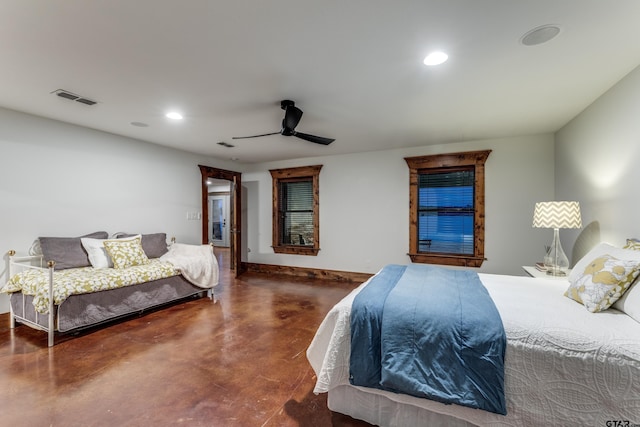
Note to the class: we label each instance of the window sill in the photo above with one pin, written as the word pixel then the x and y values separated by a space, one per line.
pixel 296 250
pixel 444 259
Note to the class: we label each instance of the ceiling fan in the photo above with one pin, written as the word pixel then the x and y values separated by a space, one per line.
pixel 292 116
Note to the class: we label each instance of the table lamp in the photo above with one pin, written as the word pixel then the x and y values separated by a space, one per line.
pixel 557 215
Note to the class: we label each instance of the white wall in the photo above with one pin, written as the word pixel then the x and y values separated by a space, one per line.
pixel 364 206
pixel 58 179
pixel 597 156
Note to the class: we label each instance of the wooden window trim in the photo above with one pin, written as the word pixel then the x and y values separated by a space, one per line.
pixel 279 175
pixel 476 159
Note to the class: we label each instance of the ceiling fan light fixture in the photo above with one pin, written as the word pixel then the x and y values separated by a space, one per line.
pixel 435 58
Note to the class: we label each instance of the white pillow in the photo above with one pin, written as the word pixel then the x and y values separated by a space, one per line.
pixel 98 256
pixel 630 301
pixel 97 253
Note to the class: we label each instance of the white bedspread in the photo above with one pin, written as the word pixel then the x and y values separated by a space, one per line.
pixel 563 366
pixel 196 263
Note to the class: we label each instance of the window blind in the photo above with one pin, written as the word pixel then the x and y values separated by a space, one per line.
pixel 296 212
pixel 446 211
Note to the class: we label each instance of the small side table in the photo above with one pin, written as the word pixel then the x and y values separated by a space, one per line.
pixel 534 272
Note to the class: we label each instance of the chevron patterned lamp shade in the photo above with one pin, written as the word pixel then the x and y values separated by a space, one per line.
pixel 557 215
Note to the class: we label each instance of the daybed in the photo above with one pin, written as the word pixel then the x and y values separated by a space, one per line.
pixel 94 279
pixel 568 361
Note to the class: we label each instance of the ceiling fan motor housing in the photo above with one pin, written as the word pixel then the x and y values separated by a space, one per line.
pixel 285 130
pixel 286 103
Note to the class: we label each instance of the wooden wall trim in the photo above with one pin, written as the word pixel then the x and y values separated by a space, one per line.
pixel 307 273
pixel 421 164
pixel 306 173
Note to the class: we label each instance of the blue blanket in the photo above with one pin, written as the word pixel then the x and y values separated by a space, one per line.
pixel 429 332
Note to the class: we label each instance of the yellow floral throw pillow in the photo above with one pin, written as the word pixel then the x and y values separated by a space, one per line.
pixel 603 281
pixel 126 253
pixel 632 244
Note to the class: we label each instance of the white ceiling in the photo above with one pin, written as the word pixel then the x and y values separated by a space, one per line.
pixel 353 66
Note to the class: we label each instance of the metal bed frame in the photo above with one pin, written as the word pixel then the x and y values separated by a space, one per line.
pixel 27 262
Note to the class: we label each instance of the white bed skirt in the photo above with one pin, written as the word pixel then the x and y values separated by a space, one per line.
pixel 375 407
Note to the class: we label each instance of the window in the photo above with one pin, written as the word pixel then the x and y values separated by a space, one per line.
pixel 295 210
pixel 446 208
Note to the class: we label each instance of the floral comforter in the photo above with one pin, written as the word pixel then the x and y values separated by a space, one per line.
pixel 84 280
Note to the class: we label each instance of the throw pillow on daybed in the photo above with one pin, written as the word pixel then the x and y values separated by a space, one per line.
pixel 67 252
pixel 126 253
pixel 98 256
pixel 602 276
pixel 154 245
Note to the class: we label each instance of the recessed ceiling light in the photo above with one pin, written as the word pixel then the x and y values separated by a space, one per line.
pixel 540 35
pixel 173 115
pixel 435 58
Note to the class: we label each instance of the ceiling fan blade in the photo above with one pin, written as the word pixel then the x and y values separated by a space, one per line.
pixel 255 136
pixel 313 138
pixel 292 117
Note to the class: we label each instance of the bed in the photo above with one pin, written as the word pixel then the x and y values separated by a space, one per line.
pixel 95 279
pixel 563 364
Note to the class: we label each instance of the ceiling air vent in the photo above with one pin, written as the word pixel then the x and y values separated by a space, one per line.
pixel 73 97
pixel 86 101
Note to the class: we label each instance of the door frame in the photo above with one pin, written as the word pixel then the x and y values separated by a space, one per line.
pixel 235 239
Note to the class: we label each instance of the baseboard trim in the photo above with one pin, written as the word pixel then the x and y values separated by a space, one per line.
pixel 5 319
pixel 307 273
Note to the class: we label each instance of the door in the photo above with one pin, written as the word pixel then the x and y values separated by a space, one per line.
pixel 234 223
pixel 219 220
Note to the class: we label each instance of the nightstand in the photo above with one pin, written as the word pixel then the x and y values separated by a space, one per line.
pixel 534 272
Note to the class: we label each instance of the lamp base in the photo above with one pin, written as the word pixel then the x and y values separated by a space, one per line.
pixel 556 272
pixel 555 260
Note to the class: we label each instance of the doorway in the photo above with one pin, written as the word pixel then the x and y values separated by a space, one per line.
pixel 233 223
pixel 219 219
